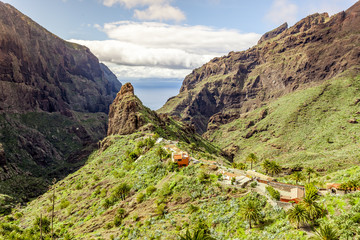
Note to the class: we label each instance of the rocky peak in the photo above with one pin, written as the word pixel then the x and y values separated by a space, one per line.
pixel 308 23
pixel 315 49
pixel 125 112
pixel 273 33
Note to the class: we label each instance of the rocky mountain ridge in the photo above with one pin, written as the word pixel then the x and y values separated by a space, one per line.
pixel 54 100
pixel 315 49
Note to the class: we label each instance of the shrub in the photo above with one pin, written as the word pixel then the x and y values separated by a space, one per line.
pixel 79 186
pixel 44 222
pixel 121 191
pixel 150 190
pixel 253 184
pixel 108 226
pixel 121 212
pixel 107 203
pixel 117 221
pixel 140 197
pixel 64 203
pixel 192 208
pixel 160 209
pixel 275 194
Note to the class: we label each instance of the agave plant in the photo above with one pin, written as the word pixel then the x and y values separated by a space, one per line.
pixel 326 233
pixel 199 234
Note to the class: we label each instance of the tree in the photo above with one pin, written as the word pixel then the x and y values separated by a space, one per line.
pixel 252 158
pixel 309 171
pixel 313 209
pixel 326 233
pixel 199 234
pixel 266 165
pixel 122 191
pixel 160 152
pixel 274 168
pixel 250 212
pixel 297 176
pixel 297 215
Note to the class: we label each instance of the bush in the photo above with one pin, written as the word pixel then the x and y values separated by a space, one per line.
pixel 108 226
pixel 45 224
pixel 140 197
pixel 107 203
pixel 121 213
pixel 117 221
pixel 150 190
pixel 160 209
pixel 192 208
pixel 275 194
pixel 253 184
pixel 64 203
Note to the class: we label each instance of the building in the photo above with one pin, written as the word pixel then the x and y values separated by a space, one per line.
pixel 181 158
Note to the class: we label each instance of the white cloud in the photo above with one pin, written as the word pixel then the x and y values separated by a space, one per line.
pixel 133 3
pixel 144 72
pixel 161 50
pixel 160 12
pixel 156 9
pixel 282 11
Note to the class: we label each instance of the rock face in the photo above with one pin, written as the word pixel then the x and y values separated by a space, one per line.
pixel 54 100
pixel 39 71
pixel 273 33
pixel 124 115
pixel 315 49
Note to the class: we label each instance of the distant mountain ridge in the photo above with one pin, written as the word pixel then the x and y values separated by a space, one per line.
pixel 315 49
pixel 54 100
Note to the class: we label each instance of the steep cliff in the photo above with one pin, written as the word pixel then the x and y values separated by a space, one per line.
pixel 315 49
pixel 54 100
pixel 127 114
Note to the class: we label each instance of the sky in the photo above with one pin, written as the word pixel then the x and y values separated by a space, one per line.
pixel 155 44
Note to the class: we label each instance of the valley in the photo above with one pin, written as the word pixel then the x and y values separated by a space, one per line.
pixel 258 144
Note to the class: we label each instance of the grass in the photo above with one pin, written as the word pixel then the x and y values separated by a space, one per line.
pixel 308 127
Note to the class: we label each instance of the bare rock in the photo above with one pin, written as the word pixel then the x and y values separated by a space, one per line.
pixel 353 121
pixel 273 33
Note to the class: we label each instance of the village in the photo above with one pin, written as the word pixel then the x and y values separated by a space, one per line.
pixel 289 193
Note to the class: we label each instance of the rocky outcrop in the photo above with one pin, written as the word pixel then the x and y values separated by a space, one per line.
pixel 124 115
pixel 273 33
pixel 315 49
pixel 128 115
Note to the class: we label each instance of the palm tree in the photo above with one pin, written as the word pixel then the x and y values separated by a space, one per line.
pixel 297 176
pixel 309 171
pixel 266 165
pixel 313 209
pixel 297 215
pixel 252 158
pixel 251 212
pixel 274 168
pixel 199 234
pixel 326 233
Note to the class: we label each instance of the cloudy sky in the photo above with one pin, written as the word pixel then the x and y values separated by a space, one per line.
pixel 155 43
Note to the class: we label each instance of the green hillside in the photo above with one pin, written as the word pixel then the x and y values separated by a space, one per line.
pixel 315 127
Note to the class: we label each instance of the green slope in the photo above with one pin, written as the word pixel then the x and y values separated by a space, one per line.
pixel 309 127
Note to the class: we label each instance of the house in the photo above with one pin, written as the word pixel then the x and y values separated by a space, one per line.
pixel 228 176
pixel 181 158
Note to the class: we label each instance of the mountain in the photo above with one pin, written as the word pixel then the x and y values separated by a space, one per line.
pixel 285 60
pixel 54 100
pixel 127 190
